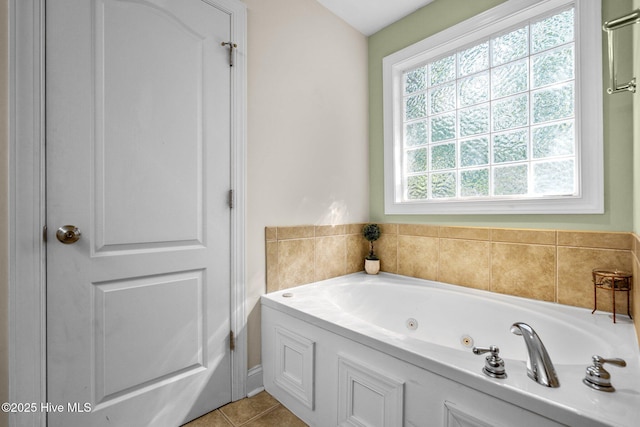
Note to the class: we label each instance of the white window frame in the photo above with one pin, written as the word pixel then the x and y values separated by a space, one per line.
pixel 588 110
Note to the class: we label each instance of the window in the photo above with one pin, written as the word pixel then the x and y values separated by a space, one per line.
pixel 498 114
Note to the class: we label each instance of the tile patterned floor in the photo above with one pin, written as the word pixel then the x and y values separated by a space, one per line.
pixel 261 410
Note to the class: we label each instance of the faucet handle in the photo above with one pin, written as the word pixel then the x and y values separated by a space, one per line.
pixel 481 350
pixel 597 360
pixel 599 378
pixel 493 365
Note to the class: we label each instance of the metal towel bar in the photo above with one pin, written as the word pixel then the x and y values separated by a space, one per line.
pixel 610 27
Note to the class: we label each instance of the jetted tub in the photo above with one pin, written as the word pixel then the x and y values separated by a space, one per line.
pixel 389 350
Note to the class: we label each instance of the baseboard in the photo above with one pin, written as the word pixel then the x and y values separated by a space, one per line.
pixel 254 381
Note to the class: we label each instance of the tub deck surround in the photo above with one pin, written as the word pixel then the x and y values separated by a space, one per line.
pixel 372 312
pixel 547 265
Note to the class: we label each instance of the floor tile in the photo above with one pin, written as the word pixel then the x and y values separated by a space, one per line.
pixel 212 419
pixel 280 417
pixel 243 410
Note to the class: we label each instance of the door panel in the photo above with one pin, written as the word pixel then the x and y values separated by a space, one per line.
pixel 172 100
pixel 177 339
pixel 138 158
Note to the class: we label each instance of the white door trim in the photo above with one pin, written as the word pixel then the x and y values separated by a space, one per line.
pixel 27 255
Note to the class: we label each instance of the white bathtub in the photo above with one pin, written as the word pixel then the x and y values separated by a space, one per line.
pixel 407 343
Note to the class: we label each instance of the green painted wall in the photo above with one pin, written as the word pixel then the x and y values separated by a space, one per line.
pixel 618 126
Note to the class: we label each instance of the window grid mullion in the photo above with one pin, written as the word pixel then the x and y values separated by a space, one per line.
pixel 457 131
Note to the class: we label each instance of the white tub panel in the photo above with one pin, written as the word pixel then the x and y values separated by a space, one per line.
pixel 434 374
pixel 294 365
pixel 367 396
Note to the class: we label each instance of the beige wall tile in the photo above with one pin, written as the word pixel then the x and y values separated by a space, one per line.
pixel 464 262
pixel 524 270
pixel 296 262
pixel 513 261
pixel 418 257
pixel 418 230
pixel 540 237
pixel 467 233
pixel 575 284
pixel 331 257
pixel 589 239
pixel 329 230
pixel 272 267
pixel 389 228
pixel 301 232
pixel 386 248
pixel 270 233
pixel 357 250
pixel 354 228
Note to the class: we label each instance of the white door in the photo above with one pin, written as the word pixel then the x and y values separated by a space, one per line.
pixel 138 159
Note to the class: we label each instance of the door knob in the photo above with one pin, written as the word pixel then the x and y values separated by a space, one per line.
pixel 68 234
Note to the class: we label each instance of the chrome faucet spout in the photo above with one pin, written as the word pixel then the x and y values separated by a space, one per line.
pixel 539 366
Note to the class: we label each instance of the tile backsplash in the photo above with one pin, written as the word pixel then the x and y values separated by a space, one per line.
pixel 548 265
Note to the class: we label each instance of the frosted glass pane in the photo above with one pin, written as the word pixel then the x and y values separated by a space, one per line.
pixel 416 160
pixel 474 59
pixel 475 120
pixel 415 107
pixel 510 79
pixel 553 31
pixel 443 156
pixel 510 180
pixel 474 152
pixel 417 187
pixel 415 133
pixel 553 103
pixel 510 113
pixel 473 89
pixel 442 98
pixel 443 127
pixel 442 70
pixel 510 147
pixel 443 185
pixel 553 67
pixel 510 46
pixel 415 80
pixel 554 140
pixel 553 178
pixel 474 183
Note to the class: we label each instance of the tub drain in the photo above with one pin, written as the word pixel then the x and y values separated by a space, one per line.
pixel 412 324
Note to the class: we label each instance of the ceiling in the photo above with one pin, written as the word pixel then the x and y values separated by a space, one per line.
pixel 370 16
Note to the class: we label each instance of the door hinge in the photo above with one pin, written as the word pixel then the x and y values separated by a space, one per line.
pixel 232 341
pixel 44 233
pixel 230 200
pixel 231 47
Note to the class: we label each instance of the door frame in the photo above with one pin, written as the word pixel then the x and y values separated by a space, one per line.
pixel 27 208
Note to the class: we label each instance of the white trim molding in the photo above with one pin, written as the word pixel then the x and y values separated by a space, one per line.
pixel 255 383
pixel 27 254
pixel 238 13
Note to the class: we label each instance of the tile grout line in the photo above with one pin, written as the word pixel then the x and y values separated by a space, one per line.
pixel 224 417
pixel 260 415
